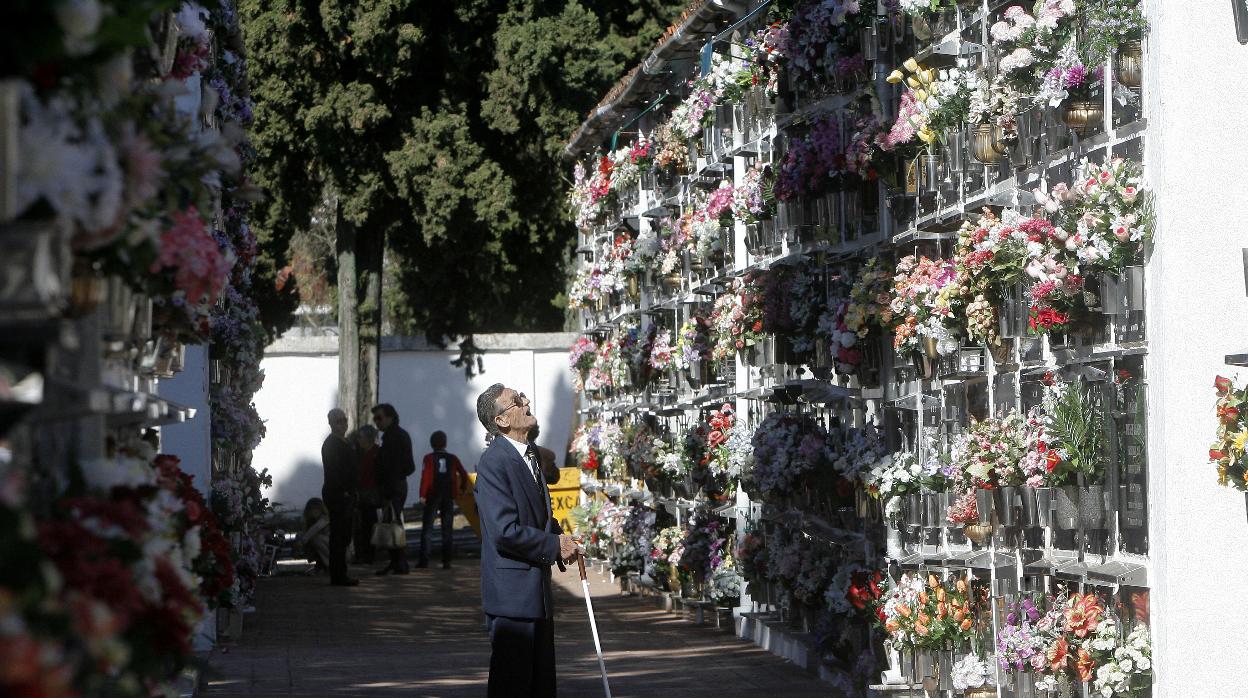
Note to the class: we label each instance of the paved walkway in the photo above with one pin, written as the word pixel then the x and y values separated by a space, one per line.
pixel 423 635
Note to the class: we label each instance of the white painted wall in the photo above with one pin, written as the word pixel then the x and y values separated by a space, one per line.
pixel 191 440
pixel 301 385
pixel 1197 160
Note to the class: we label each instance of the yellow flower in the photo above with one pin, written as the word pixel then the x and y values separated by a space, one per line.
pixel 926 135
pixel 1238 441
pixel 895 77
pixel 914 84
pixel 911 65
pixel 920 95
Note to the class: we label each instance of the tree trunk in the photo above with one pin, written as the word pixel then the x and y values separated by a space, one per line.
pixel 359 319
pixel 348 322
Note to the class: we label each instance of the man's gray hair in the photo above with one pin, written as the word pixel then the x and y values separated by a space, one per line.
pixel 336 412
pixel 487 408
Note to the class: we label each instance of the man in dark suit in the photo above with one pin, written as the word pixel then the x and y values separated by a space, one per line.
pixel 338 492
pixel 394 463
pixel 520 540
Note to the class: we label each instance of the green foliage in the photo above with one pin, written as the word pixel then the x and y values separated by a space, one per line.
pixel 439 126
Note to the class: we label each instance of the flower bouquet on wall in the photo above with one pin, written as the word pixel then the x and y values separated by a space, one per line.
pixel 737 320
pixel 789 449
pixel 794 299
pixel 924 307
pixel 1228 451
pixel 692 355
pixel 1074 429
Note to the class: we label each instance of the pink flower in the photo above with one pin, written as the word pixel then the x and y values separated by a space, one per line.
pixel 1129 194
pixel 1122 233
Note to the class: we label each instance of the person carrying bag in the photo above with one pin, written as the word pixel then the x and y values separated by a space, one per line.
pixel 388 533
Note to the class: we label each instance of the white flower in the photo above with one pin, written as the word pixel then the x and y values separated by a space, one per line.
pixel 104 474
pixel 80 20
pixel 190 20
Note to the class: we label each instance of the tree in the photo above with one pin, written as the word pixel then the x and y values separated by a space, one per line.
pixel 439 125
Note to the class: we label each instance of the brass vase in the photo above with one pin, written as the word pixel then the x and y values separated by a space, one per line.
pixel 987 145
pixel 1130 63
pixel 87 290
pixel 930 348
pixel 1084 116
pixel 977 533
pixel 672 281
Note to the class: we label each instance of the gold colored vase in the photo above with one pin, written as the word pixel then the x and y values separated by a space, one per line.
pixel 1130 62
pixel 987 145
pixel 1084 116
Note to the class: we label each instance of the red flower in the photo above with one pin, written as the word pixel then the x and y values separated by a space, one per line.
pixel 1223 385
pixel 1215 454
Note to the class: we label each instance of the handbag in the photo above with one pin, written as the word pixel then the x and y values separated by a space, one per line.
pixel 388 533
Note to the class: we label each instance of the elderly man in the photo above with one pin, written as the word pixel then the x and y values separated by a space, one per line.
pixel 338 492
pixel 520 541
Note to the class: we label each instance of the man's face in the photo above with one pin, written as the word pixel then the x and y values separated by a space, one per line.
pixel 381 420
pixel 514 412
pixel 338 424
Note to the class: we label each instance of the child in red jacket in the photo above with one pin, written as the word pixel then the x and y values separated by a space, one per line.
pixel 442 479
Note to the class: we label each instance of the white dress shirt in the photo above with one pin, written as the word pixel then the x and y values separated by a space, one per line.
pixel 523 450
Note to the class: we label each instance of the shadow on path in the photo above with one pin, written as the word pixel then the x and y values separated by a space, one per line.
pixel 423 635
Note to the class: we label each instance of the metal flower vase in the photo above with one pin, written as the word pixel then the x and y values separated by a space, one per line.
pixel 1004 501
pixel 1130 63
pixel 912 509
pixel 1066 507
pixel 1084 117
pixel 1092 506
pixel 1030 507
pixel 984 505
pixel 988 145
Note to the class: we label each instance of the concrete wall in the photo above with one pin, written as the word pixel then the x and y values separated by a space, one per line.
pixel 191 440
pixel 1197 160
pixel 301 385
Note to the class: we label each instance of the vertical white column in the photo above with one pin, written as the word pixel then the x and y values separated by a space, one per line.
pixel 1196 151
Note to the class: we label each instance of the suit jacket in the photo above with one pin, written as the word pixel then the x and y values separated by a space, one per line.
pixel 519 536
pixel 394 462
pixel 338 458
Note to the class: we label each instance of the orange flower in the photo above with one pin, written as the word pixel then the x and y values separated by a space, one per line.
pixel 924 619
pixel 1057 655
pixel 932 582
pixel 1083 615
pixel 1085 665
pixel 959 615
pixel 892 626
pixel 920 629
pixel 942 609
pixel 923 598
pixel 966 624
pixel 961 585
pixel 903 610
pixel 941 594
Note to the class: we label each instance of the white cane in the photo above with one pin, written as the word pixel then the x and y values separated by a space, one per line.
pixel 593 625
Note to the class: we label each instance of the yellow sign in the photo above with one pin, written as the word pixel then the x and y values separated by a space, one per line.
pixel 564 496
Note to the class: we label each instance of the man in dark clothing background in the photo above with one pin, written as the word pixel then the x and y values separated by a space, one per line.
pixel 394 464
pixel 442 479
pixel 338 492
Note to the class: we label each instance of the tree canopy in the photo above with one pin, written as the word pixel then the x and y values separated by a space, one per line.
pixel 440 126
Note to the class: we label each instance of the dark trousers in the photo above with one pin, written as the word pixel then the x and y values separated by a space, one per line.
pixel 398 499
pixel 432 506
pixel 365 518
pixel 339 538
pixel 522 659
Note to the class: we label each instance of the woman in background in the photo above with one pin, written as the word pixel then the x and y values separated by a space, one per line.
pixel 365 441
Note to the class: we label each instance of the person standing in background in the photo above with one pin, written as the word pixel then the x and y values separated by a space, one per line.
pixel 338 493
pixel 442 479
pixel 394 464
pixel 365 441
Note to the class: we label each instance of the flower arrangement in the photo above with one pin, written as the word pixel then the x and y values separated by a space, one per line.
pixel 859 451
pixel 972 672
pixel 736 319
pixel 1126 668
pixel 692 343
pixel 794 299
pixel 581 356
pixel 721 422
pixel 1074 424
pixel 672 151
pixel 1109 23
pixel 1106 215
pixel 817 37
pixel 1070 79
pixel 1032 42
pixel 988 454
pixel 925 296
pixel 753 200
pixel 870 300
pixel 1228 450
pixel 895 609
pixel 899 474
pixel 938 100
pixel 661 351
pixel 823 161
pixel 787 447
